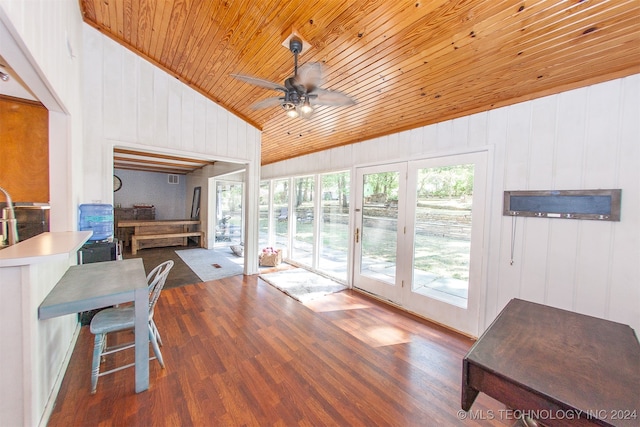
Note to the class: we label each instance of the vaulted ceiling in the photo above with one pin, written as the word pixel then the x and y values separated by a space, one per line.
pixel 406 63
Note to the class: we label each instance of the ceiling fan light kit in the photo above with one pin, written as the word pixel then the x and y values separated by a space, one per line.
pixel 290 110
pixel 301 91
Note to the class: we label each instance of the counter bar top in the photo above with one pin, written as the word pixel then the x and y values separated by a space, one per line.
pixel 41 247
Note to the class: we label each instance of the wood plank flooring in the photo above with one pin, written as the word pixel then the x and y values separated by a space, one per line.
pixel 238 352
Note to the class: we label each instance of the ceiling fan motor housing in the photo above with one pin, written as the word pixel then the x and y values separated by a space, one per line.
pixel 291 100
pixel 295 45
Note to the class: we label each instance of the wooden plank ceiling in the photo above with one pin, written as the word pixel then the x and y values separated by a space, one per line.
pixel 406 63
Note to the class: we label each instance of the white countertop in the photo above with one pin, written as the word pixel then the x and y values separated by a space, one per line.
pixel 43 246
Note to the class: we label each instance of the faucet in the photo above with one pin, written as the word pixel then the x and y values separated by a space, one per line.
pixel 9 224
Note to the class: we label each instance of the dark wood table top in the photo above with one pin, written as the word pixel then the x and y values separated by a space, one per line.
pixel 572 360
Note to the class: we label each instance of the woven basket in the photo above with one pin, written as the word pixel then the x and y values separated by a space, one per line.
pixel 271 259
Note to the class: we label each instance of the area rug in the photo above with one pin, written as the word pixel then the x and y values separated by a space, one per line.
pixel 302 284
pixel 210 264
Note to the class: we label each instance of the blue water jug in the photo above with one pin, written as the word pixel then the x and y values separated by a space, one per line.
pixel 98 218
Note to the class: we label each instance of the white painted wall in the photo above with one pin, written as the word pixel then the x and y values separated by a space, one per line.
pixel 131 103
pixel 587 138
pixel 153 188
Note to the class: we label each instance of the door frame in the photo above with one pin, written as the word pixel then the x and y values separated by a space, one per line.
pixel 480 227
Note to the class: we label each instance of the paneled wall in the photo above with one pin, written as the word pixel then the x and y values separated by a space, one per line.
pixel 587 138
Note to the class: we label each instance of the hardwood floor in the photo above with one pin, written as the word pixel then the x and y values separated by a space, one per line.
pixel 238 352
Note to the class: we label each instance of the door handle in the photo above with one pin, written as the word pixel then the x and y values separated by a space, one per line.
pixel 357 235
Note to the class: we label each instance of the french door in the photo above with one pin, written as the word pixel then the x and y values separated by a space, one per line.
pixel 419 236
pixel 380 247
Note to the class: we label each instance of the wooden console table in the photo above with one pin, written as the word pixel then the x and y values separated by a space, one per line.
pixel 564 367
pixel 159 233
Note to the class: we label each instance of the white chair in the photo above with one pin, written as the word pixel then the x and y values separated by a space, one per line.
pixel 122 318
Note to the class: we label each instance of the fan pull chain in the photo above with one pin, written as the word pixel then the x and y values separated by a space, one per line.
pixel 513 237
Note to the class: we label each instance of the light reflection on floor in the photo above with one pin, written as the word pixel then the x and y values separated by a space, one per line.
pixel 370 330
pixel 334 302
pixel 375 335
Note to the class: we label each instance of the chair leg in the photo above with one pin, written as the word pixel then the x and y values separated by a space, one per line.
pixel 154 343
pixel 156 332
pixel 98 344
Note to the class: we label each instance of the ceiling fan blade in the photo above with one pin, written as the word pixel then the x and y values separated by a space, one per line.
pixel 266 103
pixel 331 97
pixel 259 82
pixel 310 76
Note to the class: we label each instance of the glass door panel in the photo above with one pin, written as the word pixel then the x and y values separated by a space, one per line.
pixel 263 214
pixel 281 214
pixel 229 196
pixel 442 233
pixel 379 221
pixel 303 226
pixel 334 225
pixel 447 198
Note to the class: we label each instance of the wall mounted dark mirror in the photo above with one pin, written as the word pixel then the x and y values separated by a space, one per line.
pixel 195 205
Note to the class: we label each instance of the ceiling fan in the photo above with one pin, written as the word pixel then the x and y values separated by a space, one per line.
pixel 301 91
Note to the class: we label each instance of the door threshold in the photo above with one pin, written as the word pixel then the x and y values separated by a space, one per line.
pixel 411 313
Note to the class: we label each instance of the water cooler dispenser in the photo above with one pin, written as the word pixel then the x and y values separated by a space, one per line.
pixel 101 246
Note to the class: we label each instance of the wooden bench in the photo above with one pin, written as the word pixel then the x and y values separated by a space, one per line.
pixel 159 233
pixel 135 239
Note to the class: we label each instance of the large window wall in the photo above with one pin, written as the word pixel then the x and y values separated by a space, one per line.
pixel 309 220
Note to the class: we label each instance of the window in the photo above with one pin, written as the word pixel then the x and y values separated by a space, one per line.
pixel 280 207
pixel 263 213
pixel 333 238
pixel 303 235
pixel 318 206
